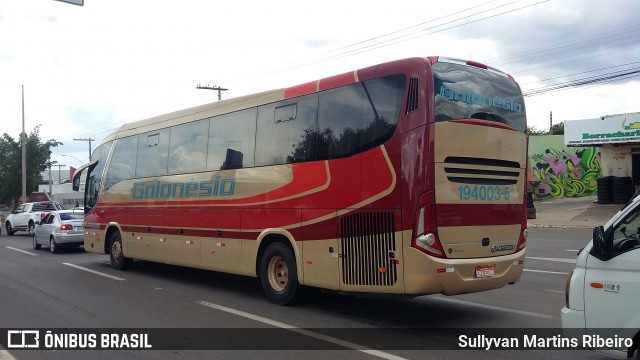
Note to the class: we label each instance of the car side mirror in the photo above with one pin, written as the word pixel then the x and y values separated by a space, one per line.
pixel 602 246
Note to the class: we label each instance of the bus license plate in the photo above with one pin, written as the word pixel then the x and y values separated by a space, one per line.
pixel 485 271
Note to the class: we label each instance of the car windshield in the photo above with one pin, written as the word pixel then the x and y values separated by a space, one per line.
pixel 71 216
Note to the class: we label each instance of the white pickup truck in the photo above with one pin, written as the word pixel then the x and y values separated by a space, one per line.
pixel 603 292
pixel 27 215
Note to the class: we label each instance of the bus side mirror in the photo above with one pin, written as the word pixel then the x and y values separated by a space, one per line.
pixel 76 183
pixel 602 246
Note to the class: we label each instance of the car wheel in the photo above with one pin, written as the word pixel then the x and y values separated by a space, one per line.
pixel 118 260
pixel 53 246
pixel 10 231
pixel 279 275
pixel 32 228
pixel 35 243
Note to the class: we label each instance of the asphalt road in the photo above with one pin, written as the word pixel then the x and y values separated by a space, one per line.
pixel 79 290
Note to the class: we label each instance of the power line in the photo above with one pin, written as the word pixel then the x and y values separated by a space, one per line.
pixel 625 74
pixel 89 140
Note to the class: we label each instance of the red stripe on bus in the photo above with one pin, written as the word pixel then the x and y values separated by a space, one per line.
pixel 337 81
pixel 300 90
pixel 478 214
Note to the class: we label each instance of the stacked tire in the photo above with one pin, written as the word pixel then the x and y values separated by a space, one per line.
pixel 605 190
pixel 531 210
pixel 622 189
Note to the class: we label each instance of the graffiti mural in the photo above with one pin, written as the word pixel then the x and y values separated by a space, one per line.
pixel 560 171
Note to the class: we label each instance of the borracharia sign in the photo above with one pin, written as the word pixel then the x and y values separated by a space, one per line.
pixel 610 129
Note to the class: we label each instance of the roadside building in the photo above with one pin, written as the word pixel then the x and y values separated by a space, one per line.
pixel 618 137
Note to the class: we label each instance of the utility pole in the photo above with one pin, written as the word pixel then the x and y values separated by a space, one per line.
pixel 215 87
pixel 550 122
pixel 50 164
pixel 89 140
pixel 23 138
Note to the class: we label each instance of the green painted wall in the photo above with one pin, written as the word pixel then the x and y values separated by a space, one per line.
pixel 556 170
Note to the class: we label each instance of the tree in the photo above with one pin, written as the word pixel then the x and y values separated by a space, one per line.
pixel 37 153
pixel 558 129
pixel 533 131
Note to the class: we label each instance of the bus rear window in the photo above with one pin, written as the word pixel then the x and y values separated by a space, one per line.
pixel 463 92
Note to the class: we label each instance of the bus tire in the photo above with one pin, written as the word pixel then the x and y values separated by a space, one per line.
pixel 279 275
pixel 118 260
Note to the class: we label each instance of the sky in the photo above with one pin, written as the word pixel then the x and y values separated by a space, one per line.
pixel 86 70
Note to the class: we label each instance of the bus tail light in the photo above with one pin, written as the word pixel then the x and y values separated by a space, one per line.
pixel 425 231
pixel 477 64
pixel 522 241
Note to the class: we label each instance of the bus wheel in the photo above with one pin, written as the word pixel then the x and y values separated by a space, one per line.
pixel 118 260
pixel 279 275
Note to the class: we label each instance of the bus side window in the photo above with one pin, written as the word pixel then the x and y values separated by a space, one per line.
pixel 123 161
pixel 153 153
pixel 231 142
pixel 358 117
pixel 188 147
pixel 286 131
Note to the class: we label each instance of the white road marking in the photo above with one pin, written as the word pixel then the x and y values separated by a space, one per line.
pixel 4 355
pixel 555 291
pixel 563 260
pixel 490 307
pixel 94 272
pixel 339 342
pixel 22 251
pixel 547 272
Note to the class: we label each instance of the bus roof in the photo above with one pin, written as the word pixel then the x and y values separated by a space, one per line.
pixel 196 113
pixel 247 101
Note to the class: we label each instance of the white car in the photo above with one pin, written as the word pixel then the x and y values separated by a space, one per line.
pixel 60 228
pixel 603 292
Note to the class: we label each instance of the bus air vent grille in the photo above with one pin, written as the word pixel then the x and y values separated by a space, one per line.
pixel 368 249
pixel 481 171
pixel 412 96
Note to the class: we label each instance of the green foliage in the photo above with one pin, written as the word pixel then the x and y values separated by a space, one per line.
pixel 37 155
pixel 558 129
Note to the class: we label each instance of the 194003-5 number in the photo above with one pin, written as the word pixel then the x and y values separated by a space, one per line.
pixel 481 192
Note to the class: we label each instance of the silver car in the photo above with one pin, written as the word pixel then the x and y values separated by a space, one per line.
pixel 60 228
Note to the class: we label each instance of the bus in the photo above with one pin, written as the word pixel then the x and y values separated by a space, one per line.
pixel 406 177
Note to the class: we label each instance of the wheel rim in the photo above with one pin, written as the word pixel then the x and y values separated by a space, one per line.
pixel 52 245
pixel 116 251
pixel 278 273
pixel 35 243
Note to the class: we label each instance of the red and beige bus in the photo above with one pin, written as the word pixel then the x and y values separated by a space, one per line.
pixel 406 177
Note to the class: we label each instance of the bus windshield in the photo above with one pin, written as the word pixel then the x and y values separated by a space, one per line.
pixel 463 92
